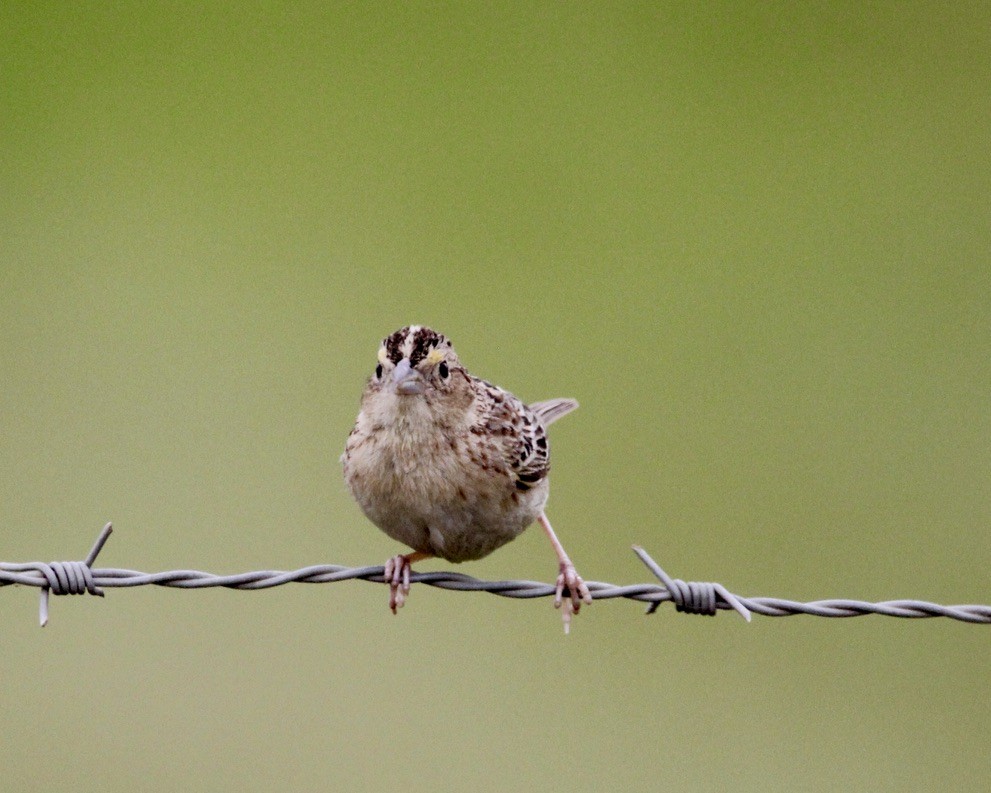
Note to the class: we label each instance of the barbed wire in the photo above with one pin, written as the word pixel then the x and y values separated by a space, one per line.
pixel 706 598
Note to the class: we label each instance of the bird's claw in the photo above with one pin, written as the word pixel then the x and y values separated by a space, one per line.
pixel 396 575
pixel 577 593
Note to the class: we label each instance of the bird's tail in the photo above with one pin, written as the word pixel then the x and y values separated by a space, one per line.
pixel 551 410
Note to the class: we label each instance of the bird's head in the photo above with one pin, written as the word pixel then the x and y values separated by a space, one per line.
pixel 417 363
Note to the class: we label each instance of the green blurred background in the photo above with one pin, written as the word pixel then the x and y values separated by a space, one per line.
pixel 753 239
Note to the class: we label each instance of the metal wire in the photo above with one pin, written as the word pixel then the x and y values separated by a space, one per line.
pixel 76 578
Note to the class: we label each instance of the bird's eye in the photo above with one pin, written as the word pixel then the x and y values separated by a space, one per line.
pixel 444 371
pixel 378 372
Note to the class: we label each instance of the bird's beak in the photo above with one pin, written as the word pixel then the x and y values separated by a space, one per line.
pixel 406 380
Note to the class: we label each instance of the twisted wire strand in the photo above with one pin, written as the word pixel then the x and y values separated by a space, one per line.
pixel 707 598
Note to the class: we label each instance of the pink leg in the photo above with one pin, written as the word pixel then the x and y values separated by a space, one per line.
pixel 397 571
pixel 577 591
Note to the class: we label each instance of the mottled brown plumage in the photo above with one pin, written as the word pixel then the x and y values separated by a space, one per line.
pixel 448 464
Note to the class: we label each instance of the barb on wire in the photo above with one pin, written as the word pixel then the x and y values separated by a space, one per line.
pixel 62 578
pixel 76 578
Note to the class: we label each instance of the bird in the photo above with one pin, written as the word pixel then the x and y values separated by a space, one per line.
pixel 449 464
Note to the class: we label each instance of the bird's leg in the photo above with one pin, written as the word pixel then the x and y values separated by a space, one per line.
pixel 568 578
pixel 397 571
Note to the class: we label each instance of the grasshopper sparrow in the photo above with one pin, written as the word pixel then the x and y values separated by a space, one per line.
pixel 449 464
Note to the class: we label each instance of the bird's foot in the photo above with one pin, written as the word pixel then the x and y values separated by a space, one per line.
pixel 397 571
pixel 577 593
pixel 396 574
